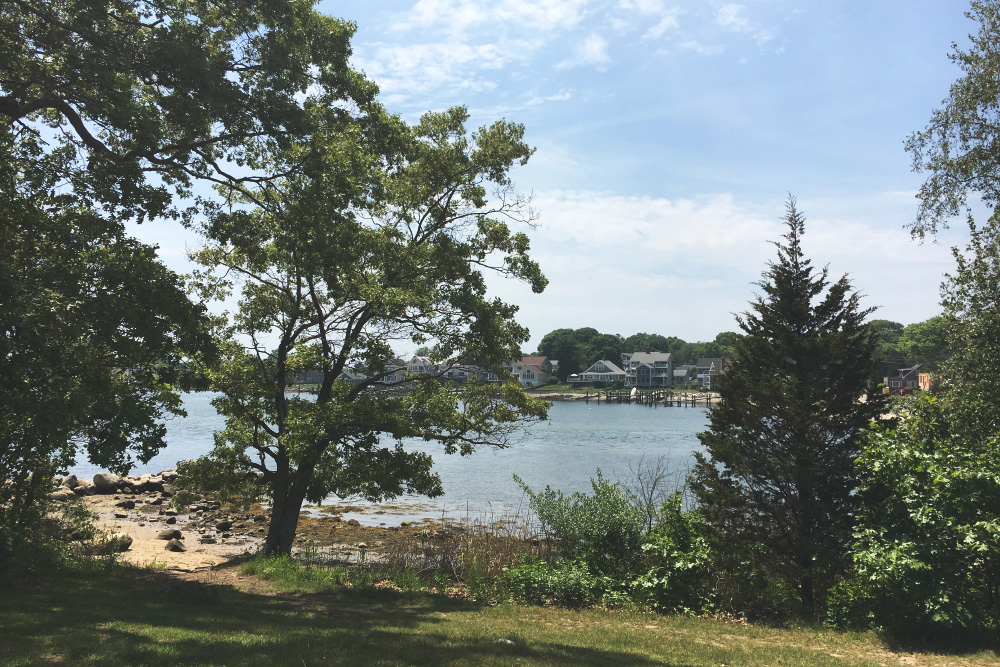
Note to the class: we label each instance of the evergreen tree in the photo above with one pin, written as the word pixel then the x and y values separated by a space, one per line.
pixel 777 478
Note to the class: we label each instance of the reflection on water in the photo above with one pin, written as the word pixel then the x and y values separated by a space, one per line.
pixel 563 452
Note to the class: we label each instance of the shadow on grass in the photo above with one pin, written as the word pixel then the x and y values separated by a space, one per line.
pixel 149 618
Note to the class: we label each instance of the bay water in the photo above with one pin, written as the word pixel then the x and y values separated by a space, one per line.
pixel 563 452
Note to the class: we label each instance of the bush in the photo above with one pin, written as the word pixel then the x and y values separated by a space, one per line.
pixel 678 559
pixel 926 554
pixel 604 529
pixel 565 582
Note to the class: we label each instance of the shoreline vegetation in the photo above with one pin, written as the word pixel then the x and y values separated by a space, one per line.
pixel 353 594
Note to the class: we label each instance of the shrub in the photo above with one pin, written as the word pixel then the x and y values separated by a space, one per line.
pixel 564 582
pixel 677 560
pixel 926 554
pixel 604 529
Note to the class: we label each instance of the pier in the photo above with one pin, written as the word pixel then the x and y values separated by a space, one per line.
pixel 652 398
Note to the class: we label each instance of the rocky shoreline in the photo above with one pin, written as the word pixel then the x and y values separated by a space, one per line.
pixel 141 523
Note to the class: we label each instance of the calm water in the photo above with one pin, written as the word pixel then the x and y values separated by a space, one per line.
pixel 563 452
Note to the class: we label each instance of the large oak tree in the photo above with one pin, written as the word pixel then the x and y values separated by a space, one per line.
pixel 369 242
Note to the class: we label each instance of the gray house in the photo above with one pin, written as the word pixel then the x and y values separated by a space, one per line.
pixel 648 370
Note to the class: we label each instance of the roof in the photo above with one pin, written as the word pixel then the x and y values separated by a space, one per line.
pixel 533 361
pixel 651 357
pixel 612 368
pixel 705 362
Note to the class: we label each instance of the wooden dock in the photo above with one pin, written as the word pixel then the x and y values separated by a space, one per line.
pixel 652 397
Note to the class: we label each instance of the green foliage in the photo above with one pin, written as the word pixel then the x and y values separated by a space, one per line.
pixel 108 109
pixel 958 145
pixel 776 482
pixel 604 530
pixel 333 263
pixel 926 554
pixel 926 343
pixel 94 333
pixel 677 562
pixel 565 582
pixel 971 299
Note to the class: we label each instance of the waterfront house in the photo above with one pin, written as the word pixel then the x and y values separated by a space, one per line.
pixel 649 369
pixel 709 368
pixel 599 371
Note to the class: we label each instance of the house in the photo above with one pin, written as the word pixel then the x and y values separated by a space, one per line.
pixel 927 381
pixel 904 378
pixel 534 371
pixel 395 372
pixel 422 366
pixel 461 373
pixel 599 371
pixel 649 369
pixel 709 368
pixel 530 371
pixel 684 375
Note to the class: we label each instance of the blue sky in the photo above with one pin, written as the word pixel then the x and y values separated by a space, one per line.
pixel 669 135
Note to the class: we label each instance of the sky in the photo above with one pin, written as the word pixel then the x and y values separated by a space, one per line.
pixel 670 134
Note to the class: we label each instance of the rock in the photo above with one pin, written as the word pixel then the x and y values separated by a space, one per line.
pixel 353 522
pixel 224 525
pixel 156 501
pixel 169 490
pixel 106 482
pixel 170 512
pixel 171 520
pixel 121 515
pixel 207 540
pixel 126 504
pixel 71 482
pixel 175 545
pixel 169 476
pixel 57 481
pixel 61 495
pixel 116 543
pixel 170 534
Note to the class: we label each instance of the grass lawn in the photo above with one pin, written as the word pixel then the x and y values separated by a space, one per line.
pixel 143 617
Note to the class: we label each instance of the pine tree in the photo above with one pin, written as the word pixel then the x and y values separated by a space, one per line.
pixel 777 477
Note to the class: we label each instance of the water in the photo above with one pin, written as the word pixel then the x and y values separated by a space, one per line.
pixel 564 452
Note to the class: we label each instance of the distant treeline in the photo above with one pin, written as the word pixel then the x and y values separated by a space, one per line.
pixel 576 349
pixel 901 346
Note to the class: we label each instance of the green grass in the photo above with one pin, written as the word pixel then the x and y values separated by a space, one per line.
pixel 140 617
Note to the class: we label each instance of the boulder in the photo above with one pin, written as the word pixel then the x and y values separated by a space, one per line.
pixel 170 534
pixel 120 542
pixel 106 482
pixel 85 488
pixel 126 504
pixel 71 482
pixel 171 520
pixel 175 545
pixel 61 495
pixel 223 525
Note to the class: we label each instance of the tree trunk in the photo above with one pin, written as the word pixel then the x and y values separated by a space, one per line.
pixel 284 521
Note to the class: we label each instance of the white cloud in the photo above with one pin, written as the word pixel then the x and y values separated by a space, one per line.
pixel 667 24
pixel 683 266
pixel 645 7
pixel 732 18
pixel 593 51
pixel 419 68
pixel 458 15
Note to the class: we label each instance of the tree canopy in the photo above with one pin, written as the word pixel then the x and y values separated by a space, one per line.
pixel 112 111
pixel 361 249
pixel 777 477
pixel 959 144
